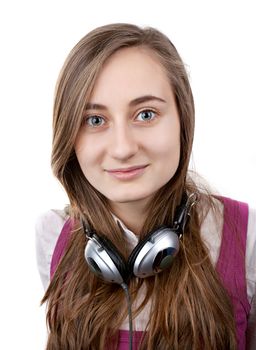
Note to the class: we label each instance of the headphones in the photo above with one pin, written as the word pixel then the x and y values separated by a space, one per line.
pixel 152 254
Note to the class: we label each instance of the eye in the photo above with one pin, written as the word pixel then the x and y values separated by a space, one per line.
pixel 146 115
pixel 94 121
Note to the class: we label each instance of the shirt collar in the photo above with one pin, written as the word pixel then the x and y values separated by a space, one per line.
pixel 132 238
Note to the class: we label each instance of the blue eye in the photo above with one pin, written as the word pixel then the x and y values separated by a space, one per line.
pixel 94 121
pixel 146 115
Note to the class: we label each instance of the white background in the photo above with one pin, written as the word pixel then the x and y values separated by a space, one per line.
pixel 216 40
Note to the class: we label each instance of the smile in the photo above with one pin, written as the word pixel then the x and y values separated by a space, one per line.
pixel 127 173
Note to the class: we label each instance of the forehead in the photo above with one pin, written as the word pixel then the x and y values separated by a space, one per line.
pixel 131 72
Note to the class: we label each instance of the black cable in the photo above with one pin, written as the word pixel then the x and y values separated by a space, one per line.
pixel 127 294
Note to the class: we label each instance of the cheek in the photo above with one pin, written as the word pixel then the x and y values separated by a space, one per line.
pixel 165 143
pixel 171 157
pixel 83 152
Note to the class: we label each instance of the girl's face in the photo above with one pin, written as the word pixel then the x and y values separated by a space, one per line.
pixel 129 144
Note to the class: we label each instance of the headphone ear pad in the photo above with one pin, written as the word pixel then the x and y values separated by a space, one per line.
pixel 134 254
pixel 115 256
pixel 102 254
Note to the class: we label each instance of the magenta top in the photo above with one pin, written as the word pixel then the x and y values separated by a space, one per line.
pixel 230 266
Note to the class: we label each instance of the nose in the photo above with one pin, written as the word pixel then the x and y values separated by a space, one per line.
pixel 123 143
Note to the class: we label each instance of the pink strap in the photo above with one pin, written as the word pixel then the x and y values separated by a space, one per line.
pixel 60 246
pixel 231 262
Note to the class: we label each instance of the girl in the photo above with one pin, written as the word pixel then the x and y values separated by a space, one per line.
pixel 122 137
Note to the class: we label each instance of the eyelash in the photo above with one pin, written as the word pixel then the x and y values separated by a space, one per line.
pixel 102 118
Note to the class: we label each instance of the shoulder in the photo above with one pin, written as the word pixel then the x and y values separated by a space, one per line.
pixel 212 226
pixel 50 221
pixel 48 227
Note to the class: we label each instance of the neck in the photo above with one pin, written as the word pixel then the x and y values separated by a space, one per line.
pixel 132 214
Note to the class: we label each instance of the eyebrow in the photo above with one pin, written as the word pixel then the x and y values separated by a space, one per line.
pixel 132 103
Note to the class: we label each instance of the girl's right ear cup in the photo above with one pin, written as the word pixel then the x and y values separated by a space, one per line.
pixel 104 260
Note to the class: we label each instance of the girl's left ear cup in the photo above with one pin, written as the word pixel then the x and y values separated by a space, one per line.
pixel 154 253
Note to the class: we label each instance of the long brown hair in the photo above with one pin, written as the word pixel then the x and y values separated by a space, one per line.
pixel 190 307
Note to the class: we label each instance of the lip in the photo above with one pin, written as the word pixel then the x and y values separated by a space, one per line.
pixel 127 169
pixel 127 173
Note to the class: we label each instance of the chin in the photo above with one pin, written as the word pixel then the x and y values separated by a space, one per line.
pixel 128 198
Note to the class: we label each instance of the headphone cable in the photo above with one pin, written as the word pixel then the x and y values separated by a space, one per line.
pixel 128 298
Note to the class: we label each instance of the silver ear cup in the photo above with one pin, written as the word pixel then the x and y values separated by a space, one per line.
pixel 157 253
pixel 100 263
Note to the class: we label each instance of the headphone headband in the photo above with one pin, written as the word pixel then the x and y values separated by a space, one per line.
pixel 183 212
